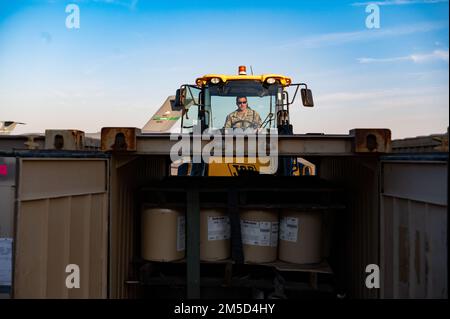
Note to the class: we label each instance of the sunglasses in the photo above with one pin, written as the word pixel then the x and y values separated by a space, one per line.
pixel 242 102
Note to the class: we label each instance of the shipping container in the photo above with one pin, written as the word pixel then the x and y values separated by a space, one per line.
pixel 55 214
pixel 84 208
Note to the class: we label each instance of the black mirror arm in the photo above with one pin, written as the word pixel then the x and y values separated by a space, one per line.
pixel 295 94
pixel 297 86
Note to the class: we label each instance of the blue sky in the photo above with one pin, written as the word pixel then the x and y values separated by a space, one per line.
pixel 128 56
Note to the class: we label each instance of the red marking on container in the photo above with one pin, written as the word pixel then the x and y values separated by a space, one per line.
pixel 3 170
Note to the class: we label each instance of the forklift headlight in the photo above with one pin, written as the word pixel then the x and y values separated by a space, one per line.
pixel 270 81
pixel 215 80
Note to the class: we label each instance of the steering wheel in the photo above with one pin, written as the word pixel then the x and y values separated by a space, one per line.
pixel 251 124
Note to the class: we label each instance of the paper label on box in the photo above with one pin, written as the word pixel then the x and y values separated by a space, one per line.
pixel 181 233
pixel 5 261
pixel 289 229
pixel 218 227
pixel 259 233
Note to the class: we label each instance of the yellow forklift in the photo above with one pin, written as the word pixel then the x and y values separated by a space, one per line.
pixel 212 101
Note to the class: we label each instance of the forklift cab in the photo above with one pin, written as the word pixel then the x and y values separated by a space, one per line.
pixel 207 104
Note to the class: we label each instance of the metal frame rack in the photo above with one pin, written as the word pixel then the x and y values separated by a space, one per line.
pixel 192 193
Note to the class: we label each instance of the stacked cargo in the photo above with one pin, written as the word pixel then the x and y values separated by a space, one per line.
pixel 294 237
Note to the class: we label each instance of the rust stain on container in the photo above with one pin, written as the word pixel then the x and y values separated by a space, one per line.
pixel 64 140
pixel 119 138
pixel 78 137
pixel 31 143
pixel 371 140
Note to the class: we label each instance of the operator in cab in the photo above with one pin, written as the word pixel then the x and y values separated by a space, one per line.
pixel 244 117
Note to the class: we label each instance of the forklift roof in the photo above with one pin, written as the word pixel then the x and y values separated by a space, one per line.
pixel 283 80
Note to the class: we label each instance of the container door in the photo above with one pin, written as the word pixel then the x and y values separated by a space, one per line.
pixel 414 226
pixel 61 228
pixel 7 193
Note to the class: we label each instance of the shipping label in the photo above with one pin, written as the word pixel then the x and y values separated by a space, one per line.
pixel 289 229
pixel 259 233
pixel 218 227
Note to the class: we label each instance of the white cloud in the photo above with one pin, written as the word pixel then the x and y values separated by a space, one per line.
pixel 437 55
pixel 398 2
pixel 337 38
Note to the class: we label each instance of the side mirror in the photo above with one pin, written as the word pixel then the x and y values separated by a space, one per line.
pixel 180 97
pixel 307 97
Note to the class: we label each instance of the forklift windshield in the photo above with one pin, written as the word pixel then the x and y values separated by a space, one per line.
pixel 220 101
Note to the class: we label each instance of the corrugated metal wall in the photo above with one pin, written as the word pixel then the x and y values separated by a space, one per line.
pixel 62 214
pixel 128 174
pixel 404 230
pixel 414 229
pixel 359 177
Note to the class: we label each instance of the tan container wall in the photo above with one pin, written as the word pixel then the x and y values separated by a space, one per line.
pixel 61 219
pixel 403 230
pixel 128 174
pixel 414 230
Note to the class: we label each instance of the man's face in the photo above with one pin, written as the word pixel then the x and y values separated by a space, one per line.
pixel 242 103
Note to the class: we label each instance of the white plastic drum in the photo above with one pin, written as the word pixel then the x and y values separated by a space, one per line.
pixel 300 237
pixel 259 232
pixel 214 234
pixel 163 234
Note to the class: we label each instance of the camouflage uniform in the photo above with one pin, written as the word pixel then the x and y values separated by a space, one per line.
pixel 251 116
